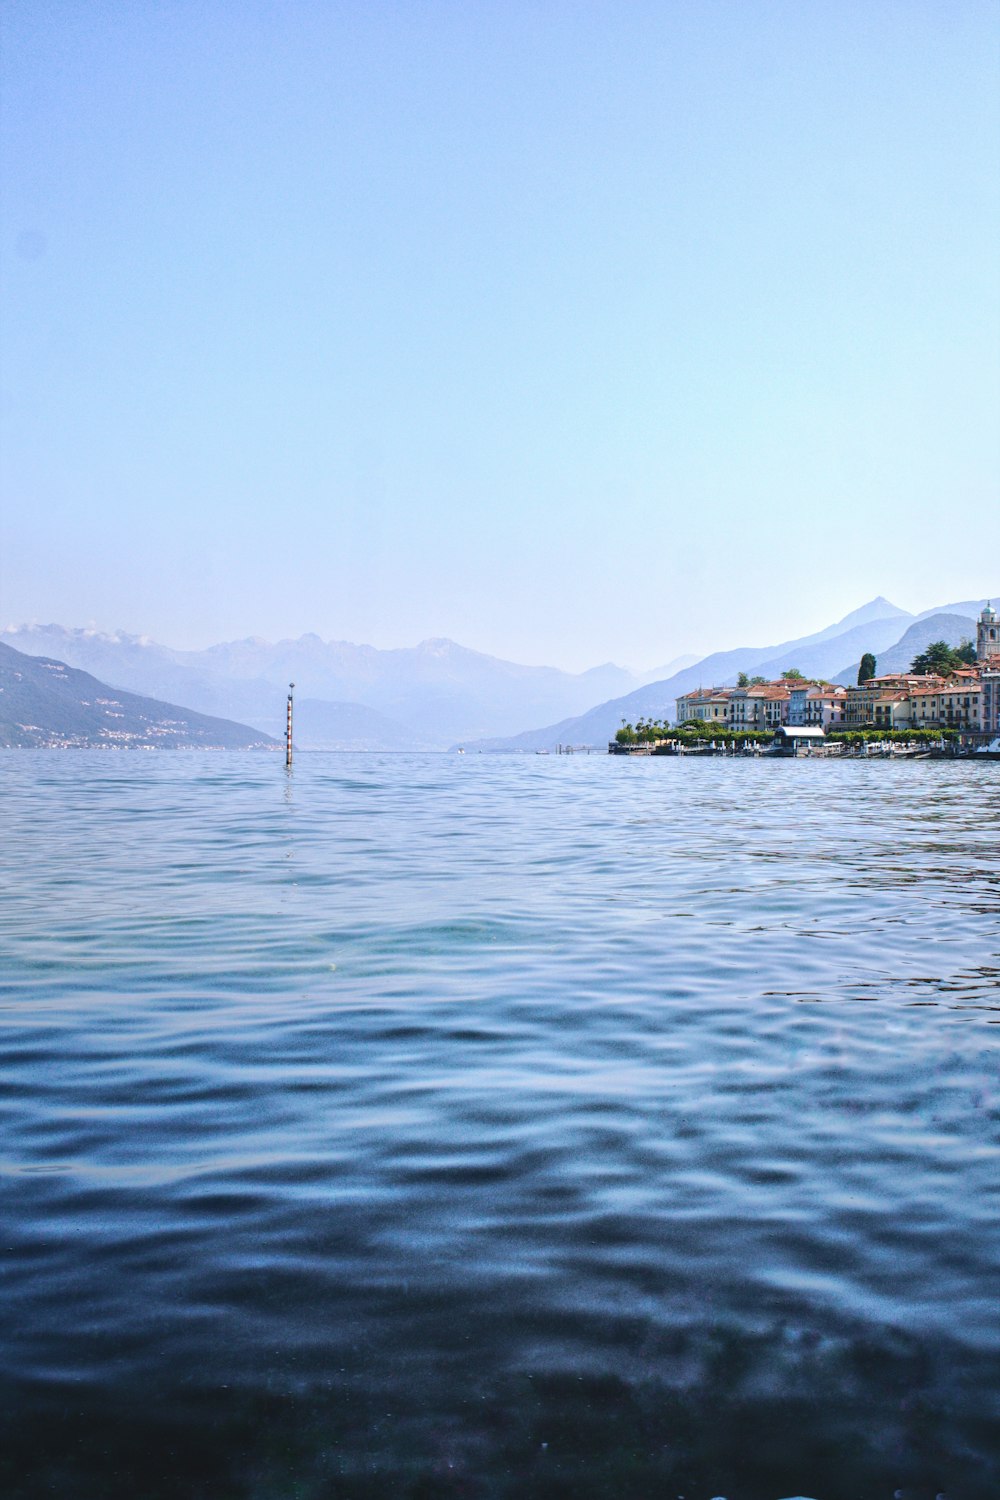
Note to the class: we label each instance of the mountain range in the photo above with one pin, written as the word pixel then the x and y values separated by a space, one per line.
pixel 422 697
pixel 949 625
pixel 45 703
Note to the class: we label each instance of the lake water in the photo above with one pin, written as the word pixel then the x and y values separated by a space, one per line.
pixel 491 1127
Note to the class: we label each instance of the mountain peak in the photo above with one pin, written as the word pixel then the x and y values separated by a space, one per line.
pixel 438 645
pixel 878 608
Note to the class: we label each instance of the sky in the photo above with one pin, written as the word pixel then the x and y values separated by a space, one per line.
pixel 573 331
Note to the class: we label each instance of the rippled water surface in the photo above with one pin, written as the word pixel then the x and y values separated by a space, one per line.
pixel 494 1126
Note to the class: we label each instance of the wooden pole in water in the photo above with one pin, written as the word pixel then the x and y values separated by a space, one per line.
pixel 288 728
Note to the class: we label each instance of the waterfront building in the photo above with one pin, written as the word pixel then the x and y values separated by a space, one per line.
pixel 911 701
pixel 883 702
pixel 817 705
pixel 708 705
pixel 772 704
pixel 743 708
pixel 760 707
pixel 798 739
pixel 797 705
pixel 957 703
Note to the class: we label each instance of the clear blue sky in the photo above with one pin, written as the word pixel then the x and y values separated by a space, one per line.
pixel 573 331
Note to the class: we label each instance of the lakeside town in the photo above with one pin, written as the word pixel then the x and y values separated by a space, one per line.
pixel 949 700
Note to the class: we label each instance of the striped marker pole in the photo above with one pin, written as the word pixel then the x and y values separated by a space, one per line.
pixel 288 728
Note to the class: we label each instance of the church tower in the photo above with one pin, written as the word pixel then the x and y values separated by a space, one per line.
pixel 987 634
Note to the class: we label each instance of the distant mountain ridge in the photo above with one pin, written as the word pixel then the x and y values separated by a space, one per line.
pixel 876 609
pixel 46 704
pixel 815 655
pixel 669 668
pixel 431 694
pixel 950 627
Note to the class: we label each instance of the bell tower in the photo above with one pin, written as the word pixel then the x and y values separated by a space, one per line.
pixel 987 634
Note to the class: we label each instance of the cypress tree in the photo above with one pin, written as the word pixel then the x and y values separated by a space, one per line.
pixel 866 669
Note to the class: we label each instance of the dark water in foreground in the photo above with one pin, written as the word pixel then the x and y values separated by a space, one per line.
pixel 486 1127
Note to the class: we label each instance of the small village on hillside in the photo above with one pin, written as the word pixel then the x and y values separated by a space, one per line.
pixel 950 698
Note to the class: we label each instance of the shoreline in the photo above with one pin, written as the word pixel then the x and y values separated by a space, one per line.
pixel 878 751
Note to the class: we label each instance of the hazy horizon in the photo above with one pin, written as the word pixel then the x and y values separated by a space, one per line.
pixel 573 334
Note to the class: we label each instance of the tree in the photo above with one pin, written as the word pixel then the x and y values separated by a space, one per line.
pixel 758 682
pixel 941 660
pixel 743 680
pixel 794 674
pixel 866 671
pixel 967 652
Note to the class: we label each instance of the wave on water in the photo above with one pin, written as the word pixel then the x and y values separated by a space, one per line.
pixel 499 1127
